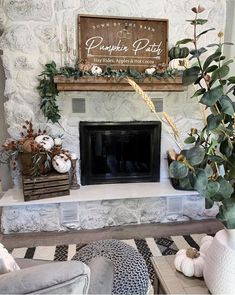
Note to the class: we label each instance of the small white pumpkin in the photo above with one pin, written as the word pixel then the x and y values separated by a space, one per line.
pixel 190 262
pixel 179 64
pixel 96 71
pixel 45 141
pixel 150 71
pixel 205 244
pixel 61 163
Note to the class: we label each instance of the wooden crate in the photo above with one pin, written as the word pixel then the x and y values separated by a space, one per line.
pixel 46 186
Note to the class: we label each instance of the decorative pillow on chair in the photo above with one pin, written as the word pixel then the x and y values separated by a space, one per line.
pixel 7 262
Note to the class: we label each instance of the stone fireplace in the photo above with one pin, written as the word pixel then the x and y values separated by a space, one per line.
pixel 29 41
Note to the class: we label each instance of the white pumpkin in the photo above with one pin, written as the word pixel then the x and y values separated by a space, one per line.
pixel 179 64
pixel 190 262
pixel 45 141
pixel 205 244
pixel 96 71
pixel 61 163
pixel 150 71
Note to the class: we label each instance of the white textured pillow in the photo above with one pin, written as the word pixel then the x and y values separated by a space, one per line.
pixel 7 262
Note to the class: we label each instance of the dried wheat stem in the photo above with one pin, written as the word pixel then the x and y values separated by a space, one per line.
pixel 171 124
pixel 139 90
pixel 150 104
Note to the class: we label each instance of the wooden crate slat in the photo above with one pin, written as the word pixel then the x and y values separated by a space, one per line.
pixel 29 186
pixel 46 190
pixel 46 186
pixel 47 195
pixel 45 178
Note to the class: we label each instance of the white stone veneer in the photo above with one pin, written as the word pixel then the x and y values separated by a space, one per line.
pixel 98 214
pixel 30 40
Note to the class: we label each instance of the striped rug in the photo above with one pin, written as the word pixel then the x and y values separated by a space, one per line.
pixel 147 247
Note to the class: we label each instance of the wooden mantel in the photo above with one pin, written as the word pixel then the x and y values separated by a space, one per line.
pixel 113 84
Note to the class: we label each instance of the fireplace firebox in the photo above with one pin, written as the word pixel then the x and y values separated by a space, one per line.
pixel 116 152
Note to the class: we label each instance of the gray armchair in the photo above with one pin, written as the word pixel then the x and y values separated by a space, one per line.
pixel 69 277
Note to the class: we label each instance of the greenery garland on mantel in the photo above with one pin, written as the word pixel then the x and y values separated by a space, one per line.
pixel 48 90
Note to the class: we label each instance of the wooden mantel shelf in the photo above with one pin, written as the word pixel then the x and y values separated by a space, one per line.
pixel 113 84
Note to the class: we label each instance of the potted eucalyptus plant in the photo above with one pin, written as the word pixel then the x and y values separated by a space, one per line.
pixel 208 165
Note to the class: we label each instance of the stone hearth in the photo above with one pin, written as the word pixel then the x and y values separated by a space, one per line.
pixel 98 206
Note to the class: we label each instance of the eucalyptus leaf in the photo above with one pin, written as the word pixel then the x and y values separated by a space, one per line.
pixel 184 41
pixel 178 170
pixel 185 183
pixel 227 105
pixel 209 170
pixel 197 52
pixel 220 58
pixel 190 139
pixel 227 43
pixel 226 188
pixel 190 75
pixel 213 187
pixel 227 213
pixel 231 173
pixel 195 155
pixel 199 92
pixel 198 21
pixel 213 121
pixel 211 69
pixel 212 96
pixel 210 58
pixel 213 45
pixel 226 147
pixel 204 32
pixel 209 203
pixel 228 62
pixel 231 80
pixel 201 181
pixel 220 72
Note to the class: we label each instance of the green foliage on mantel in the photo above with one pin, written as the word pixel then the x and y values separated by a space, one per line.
pixel 48 90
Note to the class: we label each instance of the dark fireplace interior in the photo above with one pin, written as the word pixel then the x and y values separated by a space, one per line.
pixel 116 152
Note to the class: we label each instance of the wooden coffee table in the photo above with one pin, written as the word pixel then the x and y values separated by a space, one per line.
pixel 169 281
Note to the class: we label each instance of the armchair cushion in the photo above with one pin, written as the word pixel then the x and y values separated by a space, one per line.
pixel 70 277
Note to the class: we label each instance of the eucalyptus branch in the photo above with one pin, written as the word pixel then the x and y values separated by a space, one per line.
pixel 195 42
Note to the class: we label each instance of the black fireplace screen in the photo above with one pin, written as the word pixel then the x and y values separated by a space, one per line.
pixel 119 152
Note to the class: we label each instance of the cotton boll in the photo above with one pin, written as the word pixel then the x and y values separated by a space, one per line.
pixel 96 71
pixel 150 71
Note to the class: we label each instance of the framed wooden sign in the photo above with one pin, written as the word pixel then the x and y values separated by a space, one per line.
pixel 122 42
